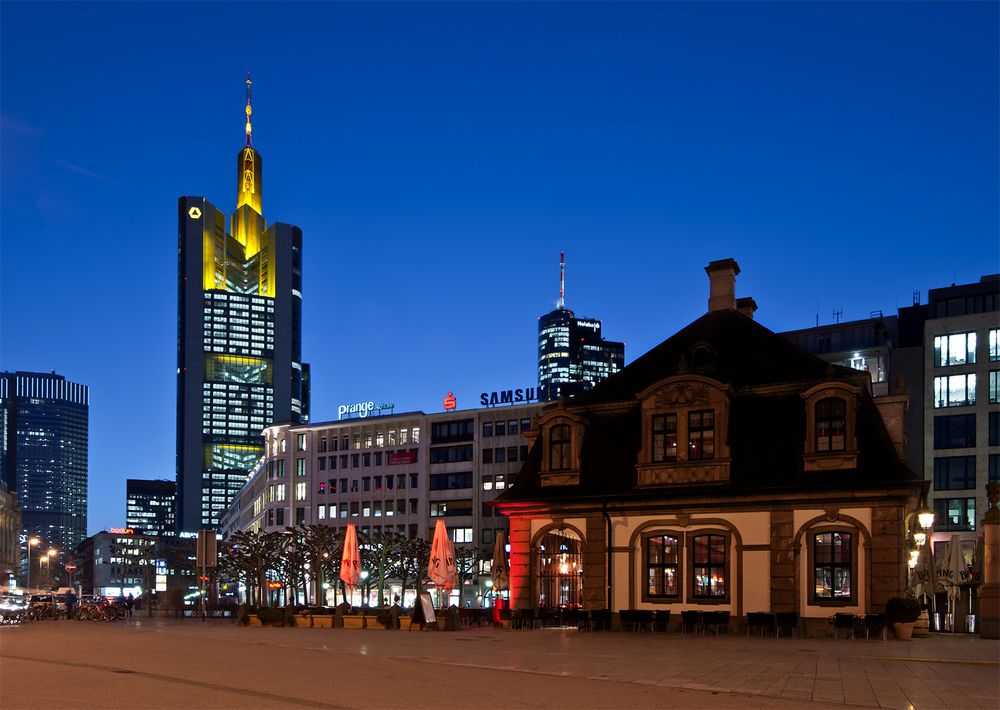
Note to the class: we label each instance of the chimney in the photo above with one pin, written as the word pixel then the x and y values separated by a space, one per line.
pixel 722 284
pixel 746 306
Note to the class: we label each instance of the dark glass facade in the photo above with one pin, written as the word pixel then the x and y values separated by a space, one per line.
pixel 149 506
pixel 572 355
pixel 43 454
pixel 239 345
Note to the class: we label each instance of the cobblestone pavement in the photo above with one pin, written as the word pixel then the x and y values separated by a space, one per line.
pixel 216 664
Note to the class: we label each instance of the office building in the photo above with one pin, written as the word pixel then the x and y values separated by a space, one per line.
pixel 394 473
pixel 10 533
pixel 149 506
pixel 43 454
pixel 121 561
pixel 701 480
pixel 961 399
pixel 239 359
pixel 572 354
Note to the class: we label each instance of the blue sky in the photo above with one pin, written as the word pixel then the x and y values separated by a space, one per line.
pixel 438 156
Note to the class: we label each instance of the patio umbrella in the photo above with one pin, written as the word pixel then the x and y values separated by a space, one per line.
pixel 350 559
pixel 500 569
pixel 924 577
pixel 955 569
pixel 441 567
pixel 977 560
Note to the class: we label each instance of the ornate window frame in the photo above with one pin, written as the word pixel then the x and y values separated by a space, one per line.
pixel 814 460
pixel 681 395
pixel 571 475
pixel 811 564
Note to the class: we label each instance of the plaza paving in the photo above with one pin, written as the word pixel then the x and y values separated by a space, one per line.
pixel 187 663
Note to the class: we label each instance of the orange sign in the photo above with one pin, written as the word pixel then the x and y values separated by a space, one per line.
pixel 450 402
pixel 274 585
pixel 122 531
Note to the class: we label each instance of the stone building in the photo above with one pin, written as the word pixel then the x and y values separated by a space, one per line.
pixel 725 470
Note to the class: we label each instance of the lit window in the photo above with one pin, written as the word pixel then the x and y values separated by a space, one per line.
pixel 994 340
pixel 701 435
pixel 664 437
pixel 662 558
pixel 832 566
pixel 709 566
pixel 955 390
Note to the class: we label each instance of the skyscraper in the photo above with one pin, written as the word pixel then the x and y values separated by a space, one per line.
pixel 43 454
pixel 239 359
pixel 572 355
pixel 149 506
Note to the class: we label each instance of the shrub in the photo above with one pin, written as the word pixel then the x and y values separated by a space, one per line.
pixel 902 610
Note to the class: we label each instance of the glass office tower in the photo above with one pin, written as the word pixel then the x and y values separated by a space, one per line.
pixel 150 506
pixel 239 349
pixel 572 355
pixel 43 455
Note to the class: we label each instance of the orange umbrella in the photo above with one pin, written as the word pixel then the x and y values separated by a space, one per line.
pixel 441 567
pixel 500 569
pixel 350 558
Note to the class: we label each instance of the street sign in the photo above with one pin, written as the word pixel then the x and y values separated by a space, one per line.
pixel 207 550
pixel 70 567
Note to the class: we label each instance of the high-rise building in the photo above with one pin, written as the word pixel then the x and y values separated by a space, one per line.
pixel 239 346
pixel 572 355
pixel 149 506
pixel 43 455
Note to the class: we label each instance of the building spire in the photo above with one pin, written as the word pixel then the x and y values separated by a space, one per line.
pixel 249 127
pixel 562 279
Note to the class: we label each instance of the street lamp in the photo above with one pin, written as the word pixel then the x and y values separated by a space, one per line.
pixel 47 558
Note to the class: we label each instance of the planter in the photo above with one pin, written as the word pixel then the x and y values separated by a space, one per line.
pixel 903 630
pixel 356 622
pixel 255 620
pixel 303 620
pixel 322 621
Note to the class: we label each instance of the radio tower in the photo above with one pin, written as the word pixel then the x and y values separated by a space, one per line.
pixel 562 280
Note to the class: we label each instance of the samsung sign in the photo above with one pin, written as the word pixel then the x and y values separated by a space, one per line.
pixel 528 394
pixel 362 410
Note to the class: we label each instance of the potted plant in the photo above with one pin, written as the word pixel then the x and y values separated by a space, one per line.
pixel 902 613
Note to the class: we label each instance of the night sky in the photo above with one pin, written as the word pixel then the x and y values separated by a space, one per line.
pixel 438 157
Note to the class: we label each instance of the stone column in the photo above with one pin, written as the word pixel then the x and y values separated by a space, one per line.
pixel 886 562
pixel 520 563
pixel 782 561
pixel 595 578
pixel 989 593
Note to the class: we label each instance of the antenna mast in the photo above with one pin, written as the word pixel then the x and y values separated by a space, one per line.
pixel 249 128
pixel 562 279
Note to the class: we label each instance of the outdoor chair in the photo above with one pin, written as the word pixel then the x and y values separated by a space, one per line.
pixel 693 620
pixel 718 619
pixel 627 620
pixel 787 621
pixel 875 625
pixel 661 620
pixel 845 623
pixel 600 619
pixel 761 621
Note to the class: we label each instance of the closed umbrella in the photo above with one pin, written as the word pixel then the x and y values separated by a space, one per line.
pixel 977 560
pixel 500 569
pixel 923 577
pixel 350 559
pixel 441 567
pixel 954 571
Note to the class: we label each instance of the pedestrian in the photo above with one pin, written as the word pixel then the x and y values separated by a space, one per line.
pixel 129 603
pixel 70 603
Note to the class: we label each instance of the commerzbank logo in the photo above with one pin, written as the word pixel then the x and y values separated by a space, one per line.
pixel 194 213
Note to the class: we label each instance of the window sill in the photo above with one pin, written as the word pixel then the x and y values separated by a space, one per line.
pixel 830 461
pixel 659 474
pixel 560 478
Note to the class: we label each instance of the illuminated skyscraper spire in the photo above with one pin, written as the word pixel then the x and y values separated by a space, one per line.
pixel 562 280
pixel 249 127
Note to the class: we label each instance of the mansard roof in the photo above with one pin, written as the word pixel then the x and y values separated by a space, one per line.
pixel 767 418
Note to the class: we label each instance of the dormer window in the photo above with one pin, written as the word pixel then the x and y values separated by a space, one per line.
pixel 664 437
pixel 559 448
pixel 701 435
pixel 831 424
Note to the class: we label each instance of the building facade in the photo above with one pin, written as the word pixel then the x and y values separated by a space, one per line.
pixel 239 346
pixel 43 452
pixel 394 473
pixel 10 536
pixel 961 435
pixel 150 506
pixel 701 479
pixel 572 355
pixel 122 562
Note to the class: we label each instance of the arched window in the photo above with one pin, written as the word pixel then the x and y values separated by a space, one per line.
pixel 560 570
pixel 559 448
pixel 831 424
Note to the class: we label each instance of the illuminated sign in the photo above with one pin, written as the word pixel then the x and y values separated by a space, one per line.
pixel 450 402
pixel 592 324
pixel 362 409
pixel 400 458
pixel 274 585
pixel 194 213
pixel 528 394
pixel 122 531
